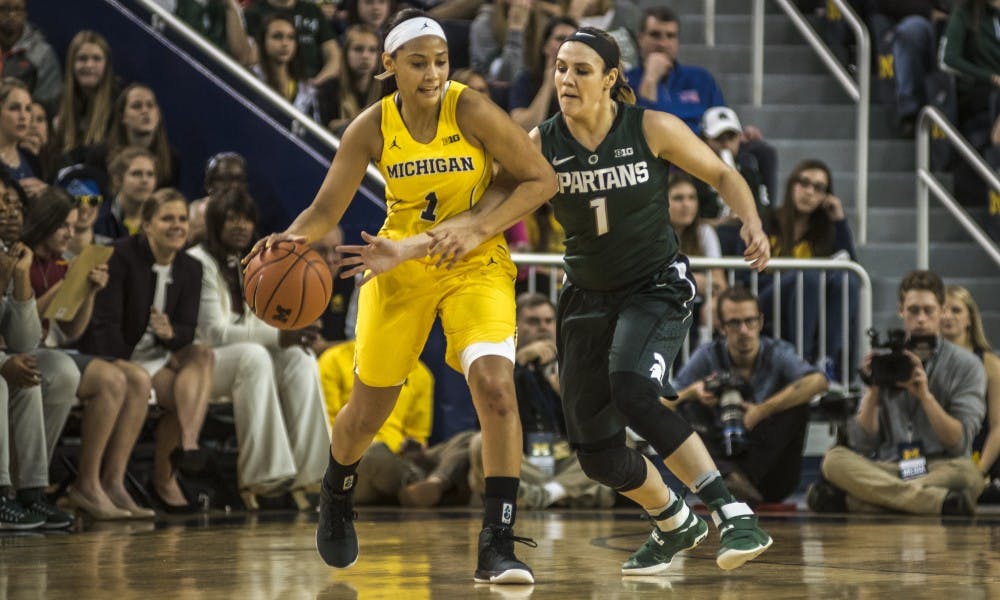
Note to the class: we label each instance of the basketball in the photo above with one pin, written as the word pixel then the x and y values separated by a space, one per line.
pixel 288 285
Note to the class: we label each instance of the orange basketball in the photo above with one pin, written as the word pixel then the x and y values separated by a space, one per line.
pixel 288 285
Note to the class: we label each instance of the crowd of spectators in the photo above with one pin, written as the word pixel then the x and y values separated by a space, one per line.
pixel 85 162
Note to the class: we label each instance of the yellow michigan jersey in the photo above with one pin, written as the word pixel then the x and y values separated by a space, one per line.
pixel 426 184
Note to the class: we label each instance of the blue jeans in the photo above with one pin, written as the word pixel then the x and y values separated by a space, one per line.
pixel 810 312
pixel 913 50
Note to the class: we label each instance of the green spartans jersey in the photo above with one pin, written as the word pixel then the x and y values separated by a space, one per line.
pixel 612 203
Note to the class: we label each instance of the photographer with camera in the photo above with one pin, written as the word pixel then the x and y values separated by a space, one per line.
pixel 747 396
pixel 911 438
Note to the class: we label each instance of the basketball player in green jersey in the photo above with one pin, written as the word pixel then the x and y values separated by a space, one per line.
pixel 626 307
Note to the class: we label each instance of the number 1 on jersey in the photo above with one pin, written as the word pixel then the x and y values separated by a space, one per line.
pixel 428 213
pixel 600 206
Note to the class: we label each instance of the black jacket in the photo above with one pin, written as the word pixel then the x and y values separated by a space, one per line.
pixel 121 309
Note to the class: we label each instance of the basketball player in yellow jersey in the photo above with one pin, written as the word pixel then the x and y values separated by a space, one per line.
pixel 434 141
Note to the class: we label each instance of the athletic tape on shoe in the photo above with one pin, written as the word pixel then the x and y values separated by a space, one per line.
pixel 676 521
pixel 729 511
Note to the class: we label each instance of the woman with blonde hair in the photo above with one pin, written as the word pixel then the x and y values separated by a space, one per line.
pixel 354 89
pixel 962 325
pixel 88 92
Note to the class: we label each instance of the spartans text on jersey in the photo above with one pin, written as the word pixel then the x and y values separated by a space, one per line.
pixel 600 180
pixel 430 166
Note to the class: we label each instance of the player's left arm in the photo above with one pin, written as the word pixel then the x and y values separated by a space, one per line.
pixel 672 140
pixel 527 180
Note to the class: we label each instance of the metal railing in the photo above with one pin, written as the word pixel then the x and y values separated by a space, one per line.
pixel 300 122
pixel 927 182
pixel 859 91
pixel 860 322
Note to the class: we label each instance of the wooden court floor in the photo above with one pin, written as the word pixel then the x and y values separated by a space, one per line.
pixel 431 555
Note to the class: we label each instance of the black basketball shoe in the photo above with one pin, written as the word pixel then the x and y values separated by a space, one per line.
pixel 497 563
pixel 336 540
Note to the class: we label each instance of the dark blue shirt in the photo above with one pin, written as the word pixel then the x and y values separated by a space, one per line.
pixel 776 366
pixel 686 92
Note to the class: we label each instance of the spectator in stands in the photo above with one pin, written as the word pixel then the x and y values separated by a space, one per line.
pixel 721 130
pixel 338 321
pixel 663 83
pixel 354 88
pixel 115 394
pixel 399 466
pixel 695 238
pixel 220 22
pixel 775 403
pixel 499 38
pixel 811 224
pixel 148 313
pixel 373 13
pixel 89 89
pixel 909 444
pixel 268 373
pixel 26 54
pixel 474 79
pixel 533 92
pixel 317 46
pixel 619 18
pixel 22 410
pixel 962 325
pixel 132 174
pixel 914 49
pixel 81 182
pixel 550 471
pixel 137 121
pixel 38 142
pixel 280 66
pixel 223 171
pixel 15 114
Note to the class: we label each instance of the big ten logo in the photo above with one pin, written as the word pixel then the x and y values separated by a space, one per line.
pixel 623 152
pixel 936 132
pixel 886 68
pixel 994 203
pixel 451 139
pixel 832 12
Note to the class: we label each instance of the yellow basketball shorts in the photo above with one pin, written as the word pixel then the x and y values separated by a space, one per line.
pixel 396 310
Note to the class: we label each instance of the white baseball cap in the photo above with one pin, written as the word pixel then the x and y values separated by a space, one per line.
pixel 718 120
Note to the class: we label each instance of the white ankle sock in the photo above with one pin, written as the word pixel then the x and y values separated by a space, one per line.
pixel 556 491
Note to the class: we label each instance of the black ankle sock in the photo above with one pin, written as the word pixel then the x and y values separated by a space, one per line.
pixel 340 479
pixel 30 494
pixel 5 490
pixel 501 501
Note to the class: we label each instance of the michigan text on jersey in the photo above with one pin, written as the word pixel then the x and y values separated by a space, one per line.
pixel 430 166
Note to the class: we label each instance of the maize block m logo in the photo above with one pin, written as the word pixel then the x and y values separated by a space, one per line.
pixel 281 314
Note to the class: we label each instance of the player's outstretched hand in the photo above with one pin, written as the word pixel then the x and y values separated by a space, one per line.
pixel 451 244
pixel 267 242
pixel 377 256
pixel 758 250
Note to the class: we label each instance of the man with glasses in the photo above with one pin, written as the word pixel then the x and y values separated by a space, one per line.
pixel 26 55
pixel 909 444
pixel 775 402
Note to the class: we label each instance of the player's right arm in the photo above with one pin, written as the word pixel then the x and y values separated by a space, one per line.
pixel 361 144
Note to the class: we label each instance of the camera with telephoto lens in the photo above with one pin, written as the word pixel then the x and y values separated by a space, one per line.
pixel 731 390
pixel 889 365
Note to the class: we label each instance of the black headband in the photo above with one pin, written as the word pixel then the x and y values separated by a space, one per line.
pixel 604 48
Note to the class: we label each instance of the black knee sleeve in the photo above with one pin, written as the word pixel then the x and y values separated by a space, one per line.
pixel 638 398
pixel 613 464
